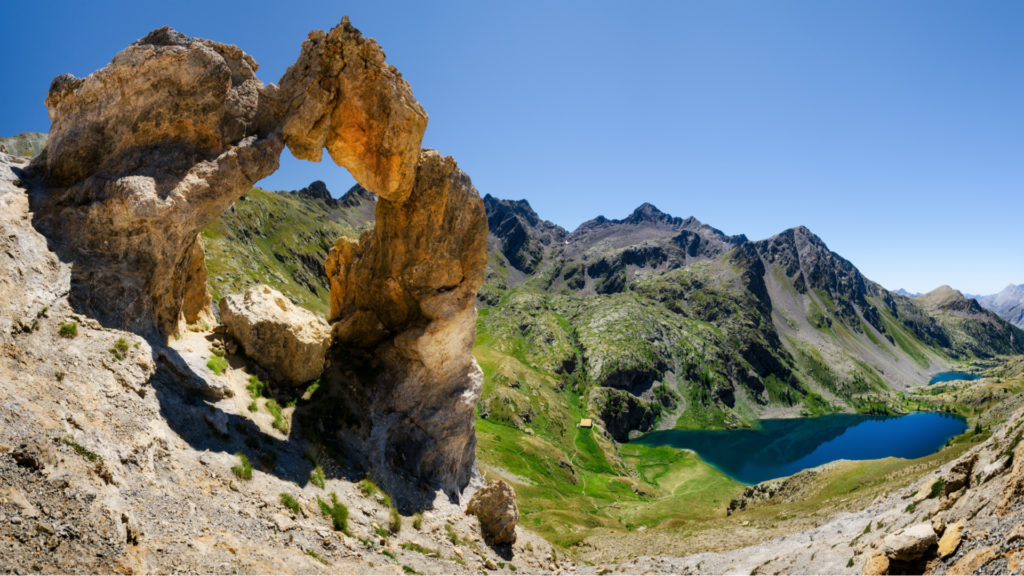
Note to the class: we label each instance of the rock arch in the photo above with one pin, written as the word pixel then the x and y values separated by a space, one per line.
pixel 143 153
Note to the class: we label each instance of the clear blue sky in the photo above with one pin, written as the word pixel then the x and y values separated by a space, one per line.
pixel 894 130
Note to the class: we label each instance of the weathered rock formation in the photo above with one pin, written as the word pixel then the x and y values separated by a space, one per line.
pixel 405 293
pixel 145 152
pixel 290 342
pixel 141 155
pixel 495 506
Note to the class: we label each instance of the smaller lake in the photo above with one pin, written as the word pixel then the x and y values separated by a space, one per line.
pixel 950 376
pixel 786 446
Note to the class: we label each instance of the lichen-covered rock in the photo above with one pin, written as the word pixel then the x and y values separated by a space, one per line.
pixel 290 342
pixel 342 95
pixel 495 506
pixel 141 155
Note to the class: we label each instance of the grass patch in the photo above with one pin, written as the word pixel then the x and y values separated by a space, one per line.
pixel 315 556
pixel 255 388
pixel 69 330
pixel 336 511
pixel 936 489
pixel 275 410
pixel 243 469
pixel 421 549
pixel 83 451
pixel 409 570
pixel 290 503
pixel 417 521
pixel 120 349
pixel 316 476
pixel 217 364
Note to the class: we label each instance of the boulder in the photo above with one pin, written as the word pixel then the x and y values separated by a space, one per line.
pixel 288 341
pixel 950 539
pixel 495 506
pixel 910 543
pixel 959 476
pixel 877 565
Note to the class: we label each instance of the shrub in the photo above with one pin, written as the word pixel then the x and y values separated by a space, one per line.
pixel 120 349
pixel 83 451
pixel 275 410
pixel 336 511
pixel 937 488
pixel 316 476
pixel 244 469
pixel 69 330
pixel 313 554
pixel 291 503
pixel 367 487
pixel 217 364
pixel 417 521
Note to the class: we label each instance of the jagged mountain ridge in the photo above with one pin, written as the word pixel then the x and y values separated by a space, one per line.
pixel 739 328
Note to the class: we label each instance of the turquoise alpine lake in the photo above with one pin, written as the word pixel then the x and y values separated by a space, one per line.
pixel 950 376
pixel 786 446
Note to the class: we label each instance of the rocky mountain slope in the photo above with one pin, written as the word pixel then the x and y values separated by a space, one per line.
pixel 1008 304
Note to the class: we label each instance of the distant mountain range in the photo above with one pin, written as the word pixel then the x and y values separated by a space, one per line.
pixel 1008 304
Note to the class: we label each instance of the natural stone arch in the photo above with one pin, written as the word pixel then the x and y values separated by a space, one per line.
pixel 145 152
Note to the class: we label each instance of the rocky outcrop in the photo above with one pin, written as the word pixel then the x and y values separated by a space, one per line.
pixel 141 155
pixel 404 294
pixel 495 506
pixel 145 152
pixel 341 95
pixel 290 342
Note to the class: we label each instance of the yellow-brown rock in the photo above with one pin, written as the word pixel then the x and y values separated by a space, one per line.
pixel 342 95
pixel 950 539
pixel 495 506
pixel 405 294
pixel 877 565
pixel 974 561
pixel 423 261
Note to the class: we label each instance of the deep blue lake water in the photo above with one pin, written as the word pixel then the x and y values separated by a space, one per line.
pixel 787 446
pixel 949 376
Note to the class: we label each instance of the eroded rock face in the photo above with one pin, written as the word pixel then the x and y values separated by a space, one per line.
pixel 404 293
pixel 290 342
pixel 495 506
pixel 141 155
pixel 342 95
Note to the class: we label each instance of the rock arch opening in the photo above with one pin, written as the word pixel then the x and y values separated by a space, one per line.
pixel 143 153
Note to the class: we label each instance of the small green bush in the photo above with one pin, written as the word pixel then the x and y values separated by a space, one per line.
pixel 291 503
pixel 367 487
pixel 336 511
pixel 316 476
pixel 417 521
pixel 275 410
pixel 217 364
pixel 120 349
pixel 244 469
pixel 69 330
pixel 936 490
